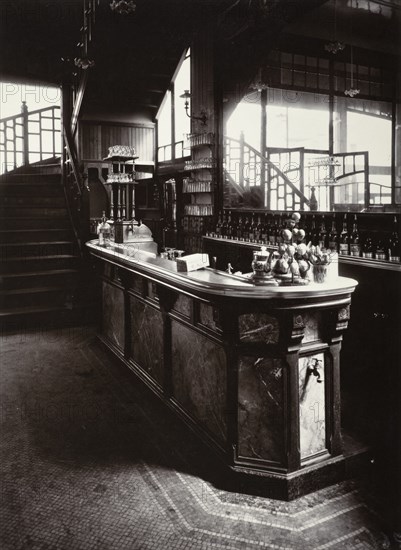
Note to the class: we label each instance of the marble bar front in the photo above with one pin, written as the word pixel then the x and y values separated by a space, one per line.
pixel 253 370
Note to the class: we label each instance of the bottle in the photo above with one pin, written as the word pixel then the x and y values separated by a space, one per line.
pixel 245 230
pixel 272 231
pixel 322 234
pixel 224 227
pixel 394 252
pixel 233 229
pixel 380 253
pixel 219 227
pixel 253 237
pixel 229 228
pixel 240 229
pixel 257 235
pixel 314 232
pixel 343 247
pixel 333 236
pixel 279 231
pixel 264 231
pixel 355 243
pixel 104 231
pixel 367 247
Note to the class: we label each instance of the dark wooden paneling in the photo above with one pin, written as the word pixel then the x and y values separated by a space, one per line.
pixel 97 137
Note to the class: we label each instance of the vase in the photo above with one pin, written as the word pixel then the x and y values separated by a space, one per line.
pixel 320 273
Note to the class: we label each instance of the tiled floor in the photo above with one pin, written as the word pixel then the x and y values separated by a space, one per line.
pixel 88 463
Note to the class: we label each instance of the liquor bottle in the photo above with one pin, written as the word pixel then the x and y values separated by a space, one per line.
pixel 355 243
pixel 394 252
pixel 257 230
pixel 333 236
pixel 104 231
pixel 344 238
pixel 233 229
pixel 229 228
pixel 314 232
pixel 253 236
pixel 240 229
pixel 245 230
pixel 367 247
pixel 219 226
pixel 322 234
pixel 380 253
pixel 279 230
pixel 272 231
pixel 264 232
pixel 224 227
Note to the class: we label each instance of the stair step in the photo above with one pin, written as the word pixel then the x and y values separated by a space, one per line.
pixel 30 177
pixel 29 222
pixel 32 211
pixel 38 263
pixel 23 200
pixel 34 279
pixel 10 236
pixel 43 318
pixel 37 296
pixel 44 248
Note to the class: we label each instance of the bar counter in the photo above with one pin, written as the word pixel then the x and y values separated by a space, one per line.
pixel 252 370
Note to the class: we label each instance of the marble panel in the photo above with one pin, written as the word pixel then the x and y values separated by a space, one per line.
pixel 152 291
pixel 113 314
pixel 258 327
pixel 183 305
pixel 207 316
pixel 312 405
pixel 147 338
pixel 312 323
pixel 136 283
pixel 260 408
pixel 200 379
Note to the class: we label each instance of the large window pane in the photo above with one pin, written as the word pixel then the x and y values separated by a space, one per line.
pixel 182 82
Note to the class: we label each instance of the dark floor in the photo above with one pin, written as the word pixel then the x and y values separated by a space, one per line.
pixel 89 463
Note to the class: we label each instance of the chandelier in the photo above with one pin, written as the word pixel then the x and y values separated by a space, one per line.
pixel 352 92
pixel 84 63
pixel 123 7
pixel 335 46
pixel 259 84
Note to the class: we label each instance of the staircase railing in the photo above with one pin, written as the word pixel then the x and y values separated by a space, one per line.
pixel 29 137
pixel 250 170
pixel 74 180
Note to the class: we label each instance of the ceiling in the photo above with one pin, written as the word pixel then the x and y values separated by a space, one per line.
pixel 135 55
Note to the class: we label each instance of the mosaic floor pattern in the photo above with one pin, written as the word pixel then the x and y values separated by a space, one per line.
pixel 88 463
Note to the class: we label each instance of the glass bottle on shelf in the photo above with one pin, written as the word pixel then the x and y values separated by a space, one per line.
pixel 394 249
pixel 355 243
pixel 219 225
pixel 240 229
pixel 333 236
pixel 257 234
pixel 264 231
pixel 252 229
pixel 104 231
pixel 224 227
pixel 279 237
pixel 229 227
pixel 380 252
pixel 344 239
pixel 367 247
pixel 246 229
pixel 272 231
pixel 322 234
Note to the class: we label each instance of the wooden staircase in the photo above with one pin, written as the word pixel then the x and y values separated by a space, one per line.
pixel 42 273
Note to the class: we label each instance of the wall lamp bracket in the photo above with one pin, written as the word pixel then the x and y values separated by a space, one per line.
pixel 203 116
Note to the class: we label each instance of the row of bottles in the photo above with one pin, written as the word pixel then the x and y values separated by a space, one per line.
pixel 267 229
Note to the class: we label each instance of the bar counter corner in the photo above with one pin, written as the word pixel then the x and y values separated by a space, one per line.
pixel 252 370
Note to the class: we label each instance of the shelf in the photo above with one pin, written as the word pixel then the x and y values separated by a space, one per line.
pixel 198 210
pixel 352 260
pixel 199 140
pixel 201 164
pixel 191 186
